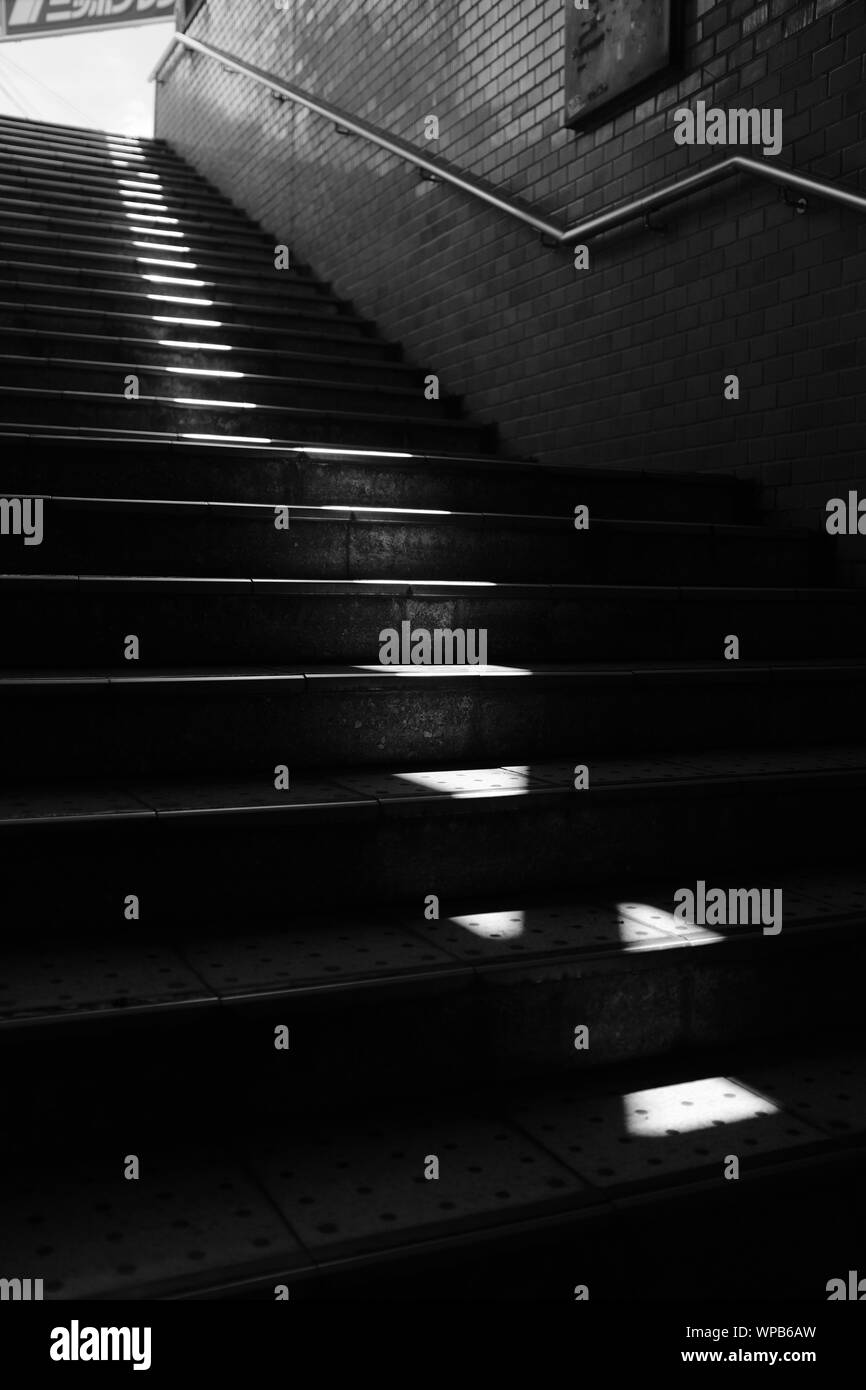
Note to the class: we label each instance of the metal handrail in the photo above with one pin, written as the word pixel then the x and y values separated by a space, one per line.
pixel 443 172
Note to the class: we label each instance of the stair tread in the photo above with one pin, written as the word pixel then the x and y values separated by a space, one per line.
pixel 214 377
pixel 97 980
pixel 425 588
pixel 326 309
pixel 529 467
pixel 366 792
pixel 421 516
pixel 315 676
pixel 124 344
pixel 521 1155
pixel 133 259
pixel 433 423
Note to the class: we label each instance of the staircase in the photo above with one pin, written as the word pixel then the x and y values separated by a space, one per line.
pixel 436 914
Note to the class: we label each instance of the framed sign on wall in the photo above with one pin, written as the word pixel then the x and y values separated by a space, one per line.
pixel 35 19
pixel 611 47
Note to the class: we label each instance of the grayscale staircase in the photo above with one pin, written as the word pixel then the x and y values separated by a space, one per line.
pixel 166 909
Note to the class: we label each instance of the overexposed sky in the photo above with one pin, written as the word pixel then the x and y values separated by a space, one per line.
pixel 97 80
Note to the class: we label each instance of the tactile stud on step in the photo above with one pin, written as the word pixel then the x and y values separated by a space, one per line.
pixel 829 1093
pixel 36 804
pixel 459 783
pixel 519 932
pixel 57 982
pixel 680 1132
pixel 89 1235
pixel 321 953
pixel 364 1192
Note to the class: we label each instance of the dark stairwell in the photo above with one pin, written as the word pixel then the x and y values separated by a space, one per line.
pixel 169 396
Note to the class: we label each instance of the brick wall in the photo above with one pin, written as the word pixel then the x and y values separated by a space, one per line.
pixel 618 366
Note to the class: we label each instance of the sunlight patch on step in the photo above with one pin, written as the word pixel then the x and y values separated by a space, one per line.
pixel 709 1103
pixel 395 511
pixel 190 323
pixel 135 183
pixel 227 438
pixel 204 371
pixel 421 671
pixel 158 246
pixel 181 299
pixel 176 280
pixel 493 926
pixel 196 347
pixel 649 915
pixel 461 784
pixel 146 217
pixel 158 260
pixel 229 405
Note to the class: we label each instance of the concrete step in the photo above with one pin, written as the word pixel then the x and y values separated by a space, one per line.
pixel 173 278
pixel 252 243
pixel 50 132
pixel 197 302
pixel 20 180
pixel 46 242
pixel 527 1176
pixel 149 354
pixel 135 464
pixel 127 257
pixel 467 977
pixel 106 153
pixel 208 850
pixel 64 150
pixel 234 417
pixel 127 205
pixel 70 621
pixel 163 322
pixel 315 393
pixel 158 537
pixel 103 722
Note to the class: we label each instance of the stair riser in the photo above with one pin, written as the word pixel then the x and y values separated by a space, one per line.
pixel 195 872
pixel 71 629
pixel 246 728
pixel 336 396
pixel 105 542
pixel 300 423
pixel 415 483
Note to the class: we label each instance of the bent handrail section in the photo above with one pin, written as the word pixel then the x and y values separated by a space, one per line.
pixel 443 172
